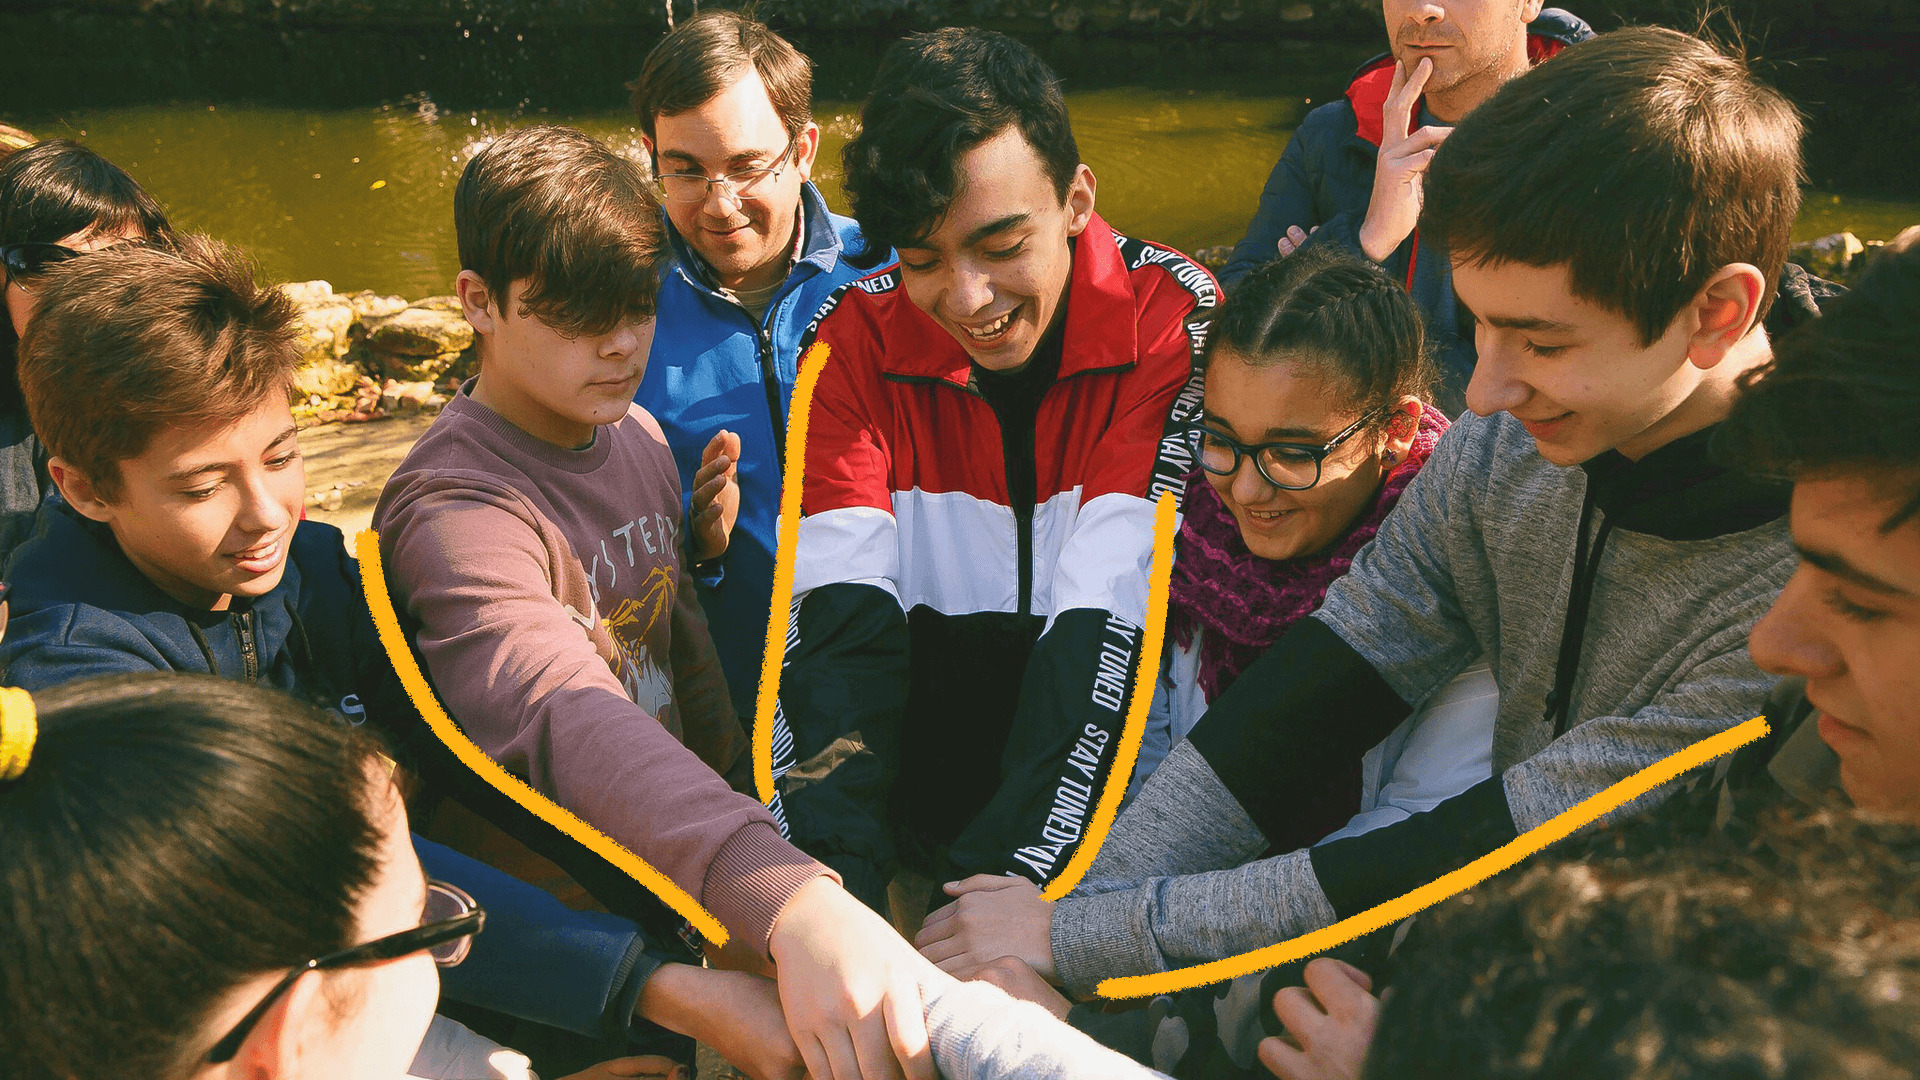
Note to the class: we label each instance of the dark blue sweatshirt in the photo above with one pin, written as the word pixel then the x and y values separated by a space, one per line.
pixel 80 608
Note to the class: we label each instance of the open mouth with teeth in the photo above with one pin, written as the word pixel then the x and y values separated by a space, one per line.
pixel 992 332
pixel 1268 515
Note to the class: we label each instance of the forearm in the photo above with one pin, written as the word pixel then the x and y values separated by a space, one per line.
pixel 979 1033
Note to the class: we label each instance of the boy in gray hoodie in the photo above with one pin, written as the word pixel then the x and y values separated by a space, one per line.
pixel 1623 253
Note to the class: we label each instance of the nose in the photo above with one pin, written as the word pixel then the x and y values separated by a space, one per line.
pixel 261 511
pixel 623 340
pixel 1426 13
pixel 1492 387
pixel 722 200
pixel 1789 639
pixel 969 292
pixel 1249 487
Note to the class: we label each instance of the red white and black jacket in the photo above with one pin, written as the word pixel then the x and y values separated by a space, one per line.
pixel 960 661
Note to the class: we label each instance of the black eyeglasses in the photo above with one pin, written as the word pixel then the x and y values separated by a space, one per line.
pixel 693 187
pixel 451 919
pixel 1287 465
pixel 32 258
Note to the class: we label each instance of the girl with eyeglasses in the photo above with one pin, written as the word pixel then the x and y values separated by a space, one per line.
pixel 1313 425
pixel 58 200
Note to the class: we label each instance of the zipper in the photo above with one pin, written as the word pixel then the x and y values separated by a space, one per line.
pixel 770 381
pixel 249 654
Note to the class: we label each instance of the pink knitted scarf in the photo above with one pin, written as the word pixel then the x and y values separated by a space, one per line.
pixel 1246 602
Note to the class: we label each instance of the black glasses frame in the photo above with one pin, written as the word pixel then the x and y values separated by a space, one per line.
pixel 15 263
pixel 1319 454
pixel 733 180
pixel 464 925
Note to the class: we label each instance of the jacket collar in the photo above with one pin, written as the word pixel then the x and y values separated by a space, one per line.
pixel 1101 332
pixel 1678 493
pixel 820 246
pixel 1553 31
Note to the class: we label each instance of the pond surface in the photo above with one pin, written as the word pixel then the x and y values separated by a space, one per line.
pixel 334 155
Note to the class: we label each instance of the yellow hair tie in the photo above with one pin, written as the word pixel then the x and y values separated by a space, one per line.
pixel 19 729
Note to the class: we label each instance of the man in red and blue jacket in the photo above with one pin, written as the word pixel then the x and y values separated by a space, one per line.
pixel 997 412
pixel 1352 174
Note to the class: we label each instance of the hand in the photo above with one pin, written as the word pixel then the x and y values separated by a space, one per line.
pixel 716 496
pixel 1291 242
pixel 652 1066
pixel 1329 1024
pixel 995 916
pixel 854 991
pixel 737 1014
pixel 1019 980
pixel 1399 174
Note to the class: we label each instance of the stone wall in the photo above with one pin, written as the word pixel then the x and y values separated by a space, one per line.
pixel 364 355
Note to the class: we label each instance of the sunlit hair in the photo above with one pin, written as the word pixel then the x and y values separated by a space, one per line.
pixel 173 837
pixel 1842 391
pixel 709 53
pixel 132 341
pixel 1338 316
pixel 1643 160
pixel 938 95
pixel 557 209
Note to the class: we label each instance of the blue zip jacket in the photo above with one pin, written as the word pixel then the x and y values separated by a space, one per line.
pixel 1325 178
pixel 713 367
pixel 80 608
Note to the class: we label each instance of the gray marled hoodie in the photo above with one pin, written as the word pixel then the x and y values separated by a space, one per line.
pixel 1480 556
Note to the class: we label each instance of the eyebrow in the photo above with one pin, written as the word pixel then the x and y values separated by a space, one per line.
pixel 745 157
pixel 1272 432
pixel 998 225
pixel 215 466
pixel 1524 322
pixel 1837 565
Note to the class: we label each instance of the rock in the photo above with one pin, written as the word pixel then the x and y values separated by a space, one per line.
pixel 311 293
pixel 1068 20
pixel 323 331
pixel 326 377
pixel 398 396
pixel 420 332
pixel 1214 258
pixel 1294 13
pixel 1830 257
pixel 368 304
pixel 417 369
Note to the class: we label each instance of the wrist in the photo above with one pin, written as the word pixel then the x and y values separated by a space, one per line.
pixel 1373 245
pixel 796 915
pixel 671 998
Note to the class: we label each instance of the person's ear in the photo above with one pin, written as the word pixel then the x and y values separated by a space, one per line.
pixel 653 159
pixel 1402 427
pixel 477 302
pixel 1080 200
pixel 805 149
pixel 1724 311
pixel 1530 10
pixel 79 490
pixel 282 1044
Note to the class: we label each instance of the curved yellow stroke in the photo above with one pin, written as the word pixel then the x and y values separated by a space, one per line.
pixel 1132 729
pixel 373 580
pixel 1159 584
pixel 1562 825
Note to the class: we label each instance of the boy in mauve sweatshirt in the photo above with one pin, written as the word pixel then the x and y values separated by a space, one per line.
pixel 531 538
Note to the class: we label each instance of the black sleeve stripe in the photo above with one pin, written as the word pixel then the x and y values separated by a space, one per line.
pixel 1360 872
pixel 1288 735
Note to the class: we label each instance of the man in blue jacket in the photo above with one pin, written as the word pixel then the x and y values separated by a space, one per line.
pixel 1352 174
pixel 726 108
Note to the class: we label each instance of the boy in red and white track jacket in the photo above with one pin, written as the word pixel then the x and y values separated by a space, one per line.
pixel 997 414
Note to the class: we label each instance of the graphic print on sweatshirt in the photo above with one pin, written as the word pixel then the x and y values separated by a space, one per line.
pixel 642 554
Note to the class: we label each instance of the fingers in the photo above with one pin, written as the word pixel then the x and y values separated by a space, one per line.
pixel 1297 1009
pixel 1334 964
pixel 1284 1061
pixel 935 919
pixel 906 1016
pixel 1291 242
pixel 941 950
pixel 719 444
pixel 718 468
pixel 815 1056
pixel 843 1058
pixel 984 883
pixel 706 493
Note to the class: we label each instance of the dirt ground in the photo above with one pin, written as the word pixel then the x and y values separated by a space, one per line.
pixel 353 462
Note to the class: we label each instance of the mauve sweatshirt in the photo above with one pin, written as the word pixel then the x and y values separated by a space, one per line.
pixel 560 628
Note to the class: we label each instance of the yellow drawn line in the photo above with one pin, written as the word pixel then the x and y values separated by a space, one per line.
pixel 373 579
pixel 811 365
pixel 1159 584
pixel 1575 817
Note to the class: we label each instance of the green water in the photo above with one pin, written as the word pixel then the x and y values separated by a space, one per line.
pixel 362 197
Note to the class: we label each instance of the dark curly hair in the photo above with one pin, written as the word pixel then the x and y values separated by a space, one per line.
pixel 1842 390
pixel 1341 316
pixel 1786 954
pixel 938 95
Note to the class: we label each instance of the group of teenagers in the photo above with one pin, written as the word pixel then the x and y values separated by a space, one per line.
pixel 1679 492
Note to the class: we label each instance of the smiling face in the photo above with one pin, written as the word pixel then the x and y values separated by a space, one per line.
pixel 551 386
pixel 1285 401
pixel 1849 623
pixel 205 516
pixel 1576 374
pixel 745 236
pixel 1475 45
pixel 994 271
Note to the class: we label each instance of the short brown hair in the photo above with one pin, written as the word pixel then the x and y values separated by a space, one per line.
pixel 1644 160
pixel 556 208
pixel 131 341
pixel 706 54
